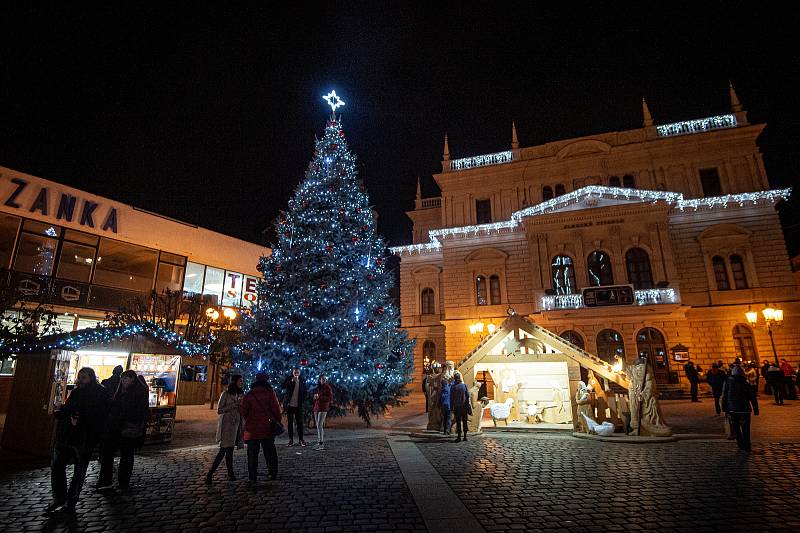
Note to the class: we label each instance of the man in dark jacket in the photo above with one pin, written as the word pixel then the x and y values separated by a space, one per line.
pixel 694 377
pixel 775 379
pixel 80 423
pixel 459 401
pixel 112 384
pixel 295 389
pixel 716 378
pixel 738 396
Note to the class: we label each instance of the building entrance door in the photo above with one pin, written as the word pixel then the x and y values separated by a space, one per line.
pixel 651 345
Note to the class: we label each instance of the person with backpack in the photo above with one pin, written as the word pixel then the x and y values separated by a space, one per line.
pixel 262 423
pixel 127 417
pixel 230 428
pixel 738 398
pixel 323 396
pixel 79 428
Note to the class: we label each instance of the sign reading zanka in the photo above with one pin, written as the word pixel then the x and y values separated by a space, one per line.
pixel 62 206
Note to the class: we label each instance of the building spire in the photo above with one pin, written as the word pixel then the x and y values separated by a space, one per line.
pixel 446 154
pixel 736 106
pixel 419 190
pixel 648 118
pixel 514 140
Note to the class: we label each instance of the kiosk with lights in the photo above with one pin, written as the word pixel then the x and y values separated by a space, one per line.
pixel 46 372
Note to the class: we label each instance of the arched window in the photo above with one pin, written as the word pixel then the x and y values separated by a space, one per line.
pixel 494 289
pixel 563 272
pixel 598 265
pixel 628 182
pixel 651 346
pixel 720 273
pixel 744 343
pixel 737 269
pixel 480 290
pixel 638 263
pixel 560 191
pixel 547 193
pixel 613 181
pixel 610 344
pixel 575 338
pixel 429 351
pixel 428 301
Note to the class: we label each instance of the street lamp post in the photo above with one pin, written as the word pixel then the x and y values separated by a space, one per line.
pixel 772 316
pixel 229 315
pixel 479 327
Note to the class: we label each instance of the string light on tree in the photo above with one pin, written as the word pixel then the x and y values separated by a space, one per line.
pixel 324 298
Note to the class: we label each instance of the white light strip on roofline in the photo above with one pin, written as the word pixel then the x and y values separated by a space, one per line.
pixel 596 191
pixel 697 126
pixel 481 160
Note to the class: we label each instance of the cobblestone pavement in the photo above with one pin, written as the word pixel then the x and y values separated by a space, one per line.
pixel 544 482
pixel 349 487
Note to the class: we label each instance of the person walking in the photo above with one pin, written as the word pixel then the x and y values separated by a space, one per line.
pixel 323 396
pixel 694 377
pixel 444 404
pixel 79 428
pixel 261 410
pixel 112 383
pixel 124 431
pixel 459 399
pixel 716 379
pixel 230 429
pixel 738 400
pixel 775 379
pixel 788 380
pixel 295 387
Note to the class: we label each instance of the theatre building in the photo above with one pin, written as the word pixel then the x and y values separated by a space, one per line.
pixel 652 242
pixel 85 255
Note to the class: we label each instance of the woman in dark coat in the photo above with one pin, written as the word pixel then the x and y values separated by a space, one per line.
pixel 79 428
pixel 124 430
pixel 323 397
pixel 229 426
pixel 260 409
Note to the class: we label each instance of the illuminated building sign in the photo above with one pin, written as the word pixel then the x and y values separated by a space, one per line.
pixel 64 207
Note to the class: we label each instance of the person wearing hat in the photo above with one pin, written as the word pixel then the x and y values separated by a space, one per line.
pixel 293 401
pixel 260 408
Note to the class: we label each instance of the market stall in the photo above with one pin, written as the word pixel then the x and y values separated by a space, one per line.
pixel 46 372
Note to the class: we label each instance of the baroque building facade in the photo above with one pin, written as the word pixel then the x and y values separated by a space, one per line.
pixel 649 242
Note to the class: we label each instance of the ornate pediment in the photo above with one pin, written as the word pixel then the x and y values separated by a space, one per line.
pixel 583 147
pixel 486 255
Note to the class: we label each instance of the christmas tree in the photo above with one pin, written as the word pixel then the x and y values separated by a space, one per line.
pixel 324 298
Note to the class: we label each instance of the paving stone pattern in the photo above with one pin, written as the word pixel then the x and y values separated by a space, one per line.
pixel 352 486
pixel 539 483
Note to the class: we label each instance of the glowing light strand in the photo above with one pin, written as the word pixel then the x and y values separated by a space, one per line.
pixel 497 158
pixel 643 297
pixel 697 126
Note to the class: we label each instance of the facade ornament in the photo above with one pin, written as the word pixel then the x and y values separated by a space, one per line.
pixel 648 118
pixel 646 417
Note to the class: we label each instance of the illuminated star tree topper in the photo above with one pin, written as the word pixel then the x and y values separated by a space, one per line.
pixel 333 100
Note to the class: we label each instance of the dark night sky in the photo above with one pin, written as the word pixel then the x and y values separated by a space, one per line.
pixel 209 116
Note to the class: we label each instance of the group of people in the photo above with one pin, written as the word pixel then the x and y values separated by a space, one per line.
pixel 454 401
pixel 781 381
pixel 109 416
pixel 254 420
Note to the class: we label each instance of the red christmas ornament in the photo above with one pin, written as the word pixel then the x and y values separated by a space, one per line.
pixel 329 248
pixel 303 361
pixel 334 146
pixel 341 134
pixel 370 323
pixel 341 212
pixel 364 227
pixel 379 261
pixel 278 268
pixel 356 338
pixel 343 172
pixel 305 203
pixel 306 304
pixel 287 233
pixel 370 277
pixel 323 285
pixel 379 310
pixel 358 210
pixel 354 239
pixel 378 365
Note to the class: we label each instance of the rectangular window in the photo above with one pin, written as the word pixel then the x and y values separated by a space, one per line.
pixel 169 277
pixel 85 323
pixel 76 262
pixel 215 279
pixel 709 180
pixel 172 258
pixel 483 211
pixel 9 225
pixel 41 228
pixel 232 294
pixel 81 237
pixel 35 254
pixel 125 266
pixel 195 273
